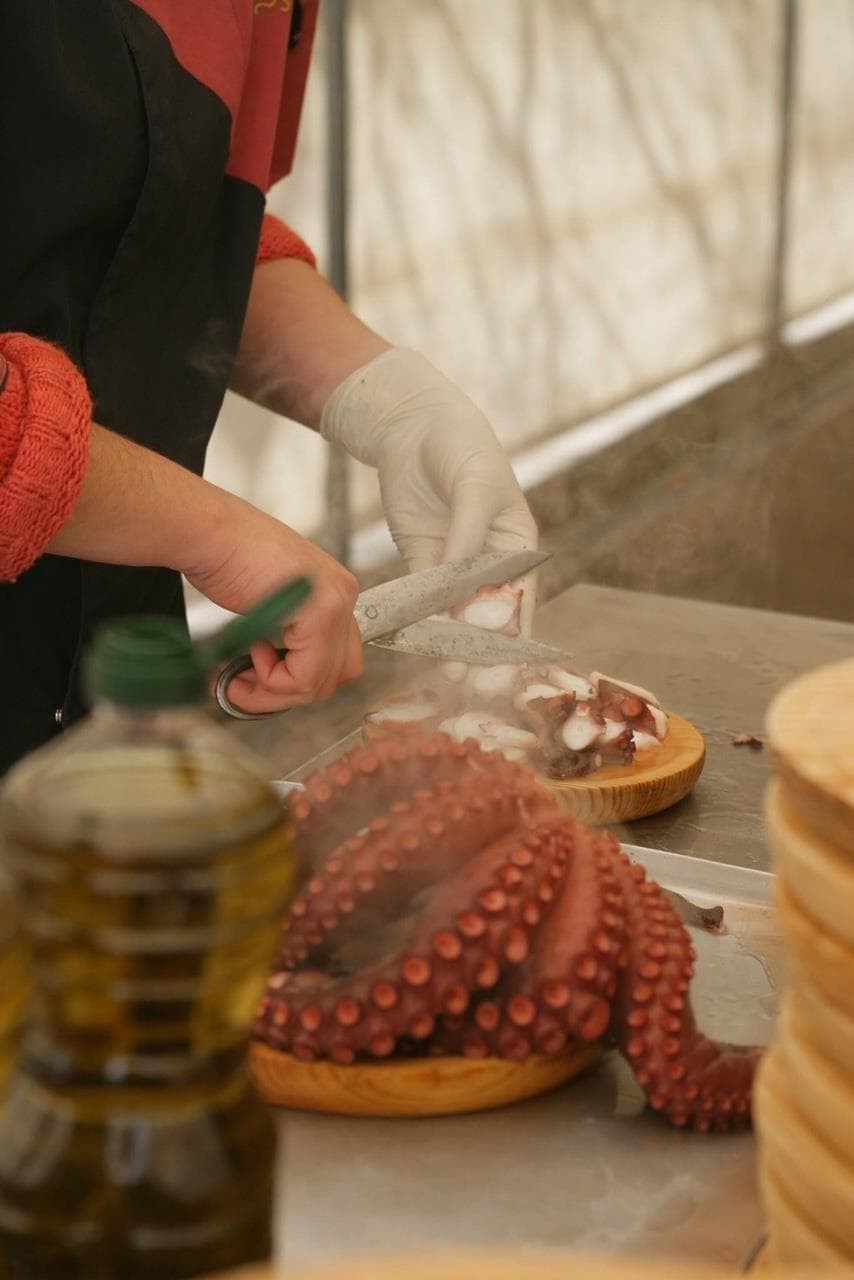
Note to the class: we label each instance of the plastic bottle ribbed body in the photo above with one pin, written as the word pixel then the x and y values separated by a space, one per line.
pixel 153 864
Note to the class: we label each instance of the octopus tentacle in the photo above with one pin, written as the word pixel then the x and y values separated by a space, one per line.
pixel 446 954
pixel 341 799
pixel 691 1078
pixel 580 948
pixel 453 908
pixel 414 843
pixel 565 987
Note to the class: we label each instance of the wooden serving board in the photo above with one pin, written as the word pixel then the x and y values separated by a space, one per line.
pixel 411 1086
pixel 655 780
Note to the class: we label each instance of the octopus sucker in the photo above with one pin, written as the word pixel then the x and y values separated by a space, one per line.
pixel 431 837
pixel 409 985
pixel 368 781
pixel 454 909
pixel 574 952
pixel 689 1075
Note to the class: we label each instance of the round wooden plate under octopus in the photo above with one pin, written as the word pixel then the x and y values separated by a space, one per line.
pixel 414 1086
pixel 655 780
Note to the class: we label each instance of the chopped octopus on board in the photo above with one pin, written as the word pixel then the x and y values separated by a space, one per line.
pixel 564 724
pixel 493 608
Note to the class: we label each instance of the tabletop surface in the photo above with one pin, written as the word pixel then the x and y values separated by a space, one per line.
pixel 510 1176
pixel 718 666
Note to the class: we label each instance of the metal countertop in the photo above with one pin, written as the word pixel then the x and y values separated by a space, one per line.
pixel 515 1176
pixel 718 666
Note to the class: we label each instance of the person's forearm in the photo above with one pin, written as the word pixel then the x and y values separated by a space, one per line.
pixel 138 508
pixel 300 341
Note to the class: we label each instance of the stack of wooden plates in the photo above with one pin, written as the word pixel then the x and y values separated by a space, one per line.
pixel 804 1103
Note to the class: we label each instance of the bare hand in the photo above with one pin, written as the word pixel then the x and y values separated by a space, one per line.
pixel 246 557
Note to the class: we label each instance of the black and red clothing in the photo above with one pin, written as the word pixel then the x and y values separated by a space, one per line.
pixel 137 141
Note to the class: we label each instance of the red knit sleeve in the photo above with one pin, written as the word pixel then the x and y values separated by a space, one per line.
pixel 45 422
pixel 279 241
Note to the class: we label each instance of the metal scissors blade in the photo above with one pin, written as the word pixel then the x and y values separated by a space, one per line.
pixel 461 642
pixel 396 604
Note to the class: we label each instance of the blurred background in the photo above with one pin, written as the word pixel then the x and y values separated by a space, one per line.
pixel 626 229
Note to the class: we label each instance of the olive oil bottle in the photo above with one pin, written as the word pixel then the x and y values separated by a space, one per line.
pixel 152 863
pixel 15 989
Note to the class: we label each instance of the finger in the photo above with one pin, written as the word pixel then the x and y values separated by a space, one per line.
pixel 315 661
pixel 507 540
pixel 354 660
pixel 269 686
pixel 246 694
pixel 421 552
pixel 518 522
pixel 351 664
pixel 480 508
pixel 327 661
pixel 472 513
pixel 299 674
pixel 306 671
pixel 482 527
pixel 264 659
pixel 416 564
pixel 250 691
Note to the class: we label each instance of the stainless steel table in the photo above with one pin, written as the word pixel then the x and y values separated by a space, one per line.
pixel 719 667
pixel 543 1172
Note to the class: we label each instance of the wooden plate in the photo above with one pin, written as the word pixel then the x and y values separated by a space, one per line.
pixel 656 779
pixel 825 1094
pixel 830 1028
pixel 823 960
pixel 811 736
pixel 760 1262
pixel 820 878
pixel 816 1178
pixel 796 1246
pixel 411 1086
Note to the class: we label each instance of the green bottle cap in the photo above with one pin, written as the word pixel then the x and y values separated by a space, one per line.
pixel 148 661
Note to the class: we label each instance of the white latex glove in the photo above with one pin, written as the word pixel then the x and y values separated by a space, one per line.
pixel 447 486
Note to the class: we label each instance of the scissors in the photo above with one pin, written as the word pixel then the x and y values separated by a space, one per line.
pixel 397 615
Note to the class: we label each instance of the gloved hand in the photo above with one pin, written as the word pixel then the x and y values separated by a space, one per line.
pixel 447 486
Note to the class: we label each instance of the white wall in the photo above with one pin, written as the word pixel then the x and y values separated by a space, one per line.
pixel 563 202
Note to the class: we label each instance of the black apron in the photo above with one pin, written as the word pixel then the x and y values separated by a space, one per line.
pixel 123 240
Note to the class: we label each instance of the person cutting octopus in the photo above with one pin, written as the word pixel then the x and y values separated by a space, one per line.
pixel 140 277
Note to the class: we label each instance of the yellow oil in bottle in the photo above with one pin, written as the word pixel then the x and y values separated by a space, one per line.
pixel 15 987
pixel 153 865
